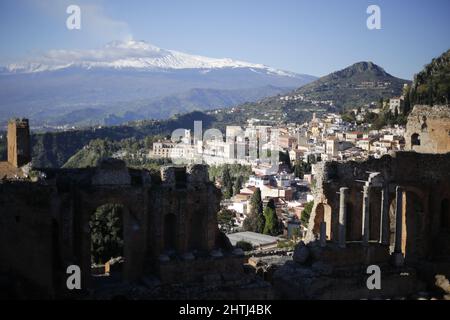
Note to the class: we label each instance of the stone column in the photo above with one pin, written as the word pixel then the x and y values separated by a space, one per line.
pixel 342 215
pixel 384 224
pixel 323 234
pixel 398 256
pixel 366 216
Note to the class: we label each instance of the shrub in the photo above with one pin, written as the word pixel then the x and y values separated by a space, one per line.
pixel 244 245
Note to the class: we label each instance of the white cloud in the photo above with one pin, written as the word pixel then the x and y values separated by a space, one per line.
pixel 103 26
pixel 129 54
pixel 113 51
pixel 95 22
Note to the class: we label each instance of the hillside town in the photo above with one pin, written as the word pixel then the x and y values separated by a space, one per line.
pixel 282 159
pixel 215 158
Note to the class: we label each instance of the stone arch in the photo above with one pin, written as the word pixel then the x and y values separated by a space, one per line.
pixel 414 231
pixel 132 202
pixel 375 214
pixel 392 203
pixel 170 232
pixel 107 236
pixel 323 214
pixel 415 139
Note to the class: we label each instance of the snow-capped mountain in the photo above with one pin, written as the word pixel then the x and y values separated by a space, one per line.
pixel 132 54
pixel 131 77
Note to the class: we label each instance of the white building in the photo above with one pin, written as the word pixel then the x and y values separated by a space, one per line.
pixel 331 146
pixel 258 181
pixel 396 104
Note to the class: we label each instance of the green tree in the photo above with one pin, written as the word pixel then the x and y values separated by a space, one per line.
pixel 306 167
pixel 227 183
pixel 106 233
pixel 430 92
pixel 284 158
pixel 272 225
pixel 312 159
pixel 306 213
pixel 381 104
pixel 255 221
pixel 225 218
pixel 432 85
pixel 349 116
pixel 295 233
pixel 407 102
pixel 299 171
pixel 237 185
pixel 229 190
pixel 244 245
pixel 256 202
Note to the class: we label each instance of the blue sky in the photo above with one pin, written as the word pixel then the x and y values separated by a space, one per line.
pixel 314 37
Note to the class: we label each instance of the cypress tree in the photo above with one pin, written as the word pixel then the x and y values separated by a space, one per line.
pixel 227 184
pixel 271 226
pixel 298 170
pixel 237 185
pixel 255 221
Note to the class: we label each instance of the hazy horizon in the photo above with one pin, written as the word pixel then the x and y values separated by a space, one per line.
pixel 308 38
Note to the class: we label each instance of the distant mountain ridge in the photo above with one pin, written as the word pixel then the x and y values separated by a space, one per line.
pixel 54 149
pixel 60 83
pixel 162 108
pixel 357 85
pixel 132 55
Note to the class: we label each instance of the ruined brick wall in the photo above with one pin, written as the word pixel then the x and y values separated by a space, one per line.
pixel 19 150
pixel 44 225
pixel 425 179
pixel 26 228
pixel 188 200
pixel 428 129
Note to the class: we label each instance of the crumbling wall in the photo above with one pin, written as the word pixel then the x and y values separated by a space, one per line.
pixel 425 179
pixel 26 234
pixel 45 224
pixel 428 129
pixel 19 148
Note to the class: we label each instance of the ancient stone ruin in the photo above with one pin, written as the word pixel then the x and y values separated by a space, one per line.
pixel 170 231
pixel 391 212
pixel 428 129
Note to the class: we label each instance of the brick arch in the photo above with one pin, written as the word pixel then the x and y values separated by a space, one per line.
pixel 414 222
pixel 415 140
pixel 323 213
pixel 392 222
pixel 375 214
pixel 71 195
pixel 133 211
pixel 122 214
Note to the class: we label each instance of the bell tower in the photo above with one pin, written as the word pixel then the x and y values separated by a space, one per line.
pixel 19 149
